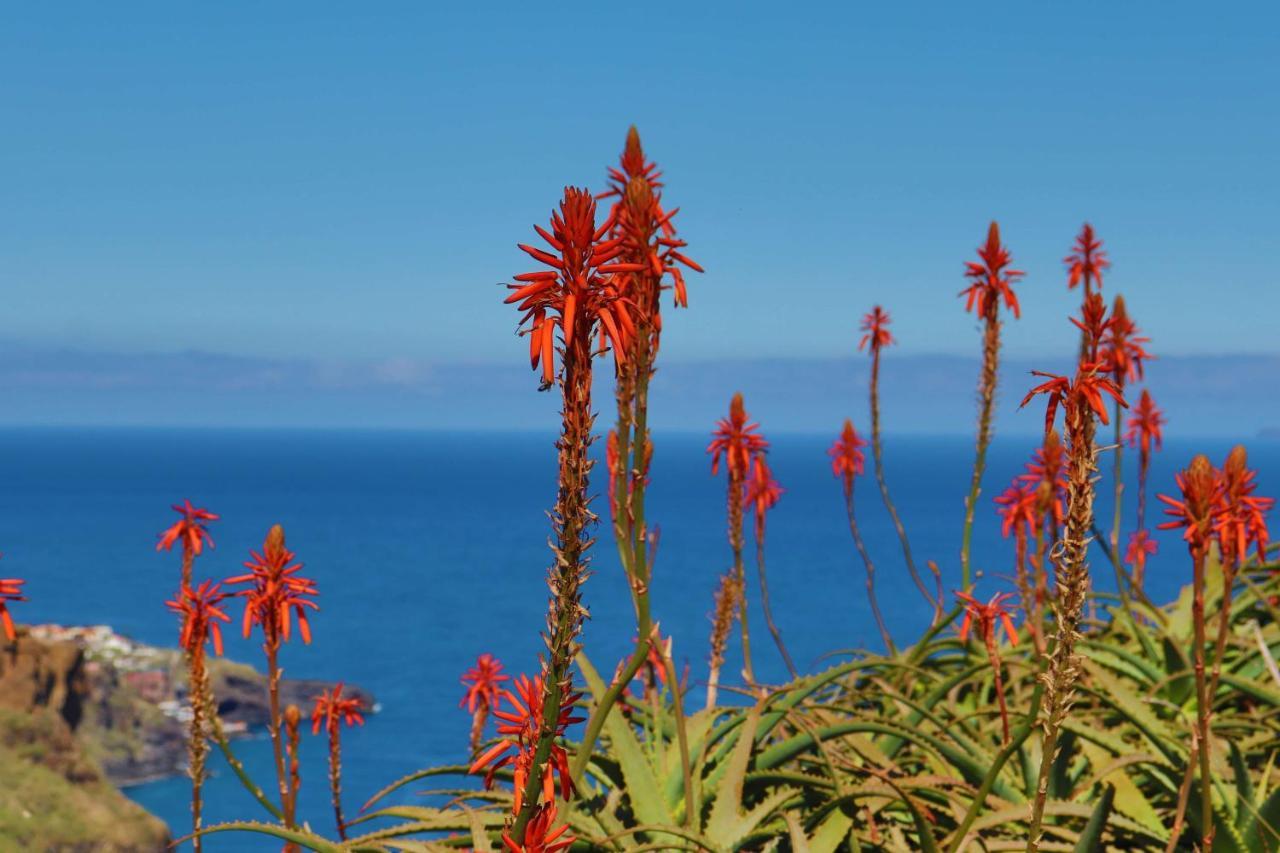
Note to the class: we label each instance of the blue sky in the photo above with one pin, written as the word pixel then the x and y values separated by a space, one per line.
pixel 346 184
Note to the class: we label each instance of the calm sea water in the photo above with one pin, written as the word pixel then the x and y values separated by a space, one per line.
pixel 431 548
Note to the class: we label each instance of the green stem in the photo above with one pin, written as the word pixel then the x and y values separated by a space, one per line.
pixel 986 403
pixel 877 453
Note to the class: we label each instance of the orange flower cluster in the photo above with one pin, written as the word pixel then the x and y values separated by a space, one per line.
pixel 1047 475
pixel 646 230
pixel 1145 424
pixel 579 293
pixel 541 835
pixel 519 728
pixel 189 529
pixel 847 458
pixel 1123 352
pixel 1087 387
pixel 484 684
pixel 738 441
pixel 1087 260
pixel 875 326
pixel 200 611
pixel 1220 504
pixel 274 589
pixel 10 591
pixel 992 279
pixel 987 617
pixel 761 492
pixel 332 708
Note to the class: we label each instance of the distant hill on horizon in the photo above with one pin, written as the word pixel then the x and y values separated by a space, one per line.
pixel 1223 395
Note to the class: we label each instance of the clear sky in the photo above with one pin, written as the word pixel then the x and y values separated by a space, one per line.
pixel 316 181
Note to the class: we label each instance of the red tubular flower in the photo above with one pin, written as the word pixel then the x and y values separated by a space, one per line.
pixel 1095 324
pixel 1145 424
pixel 1194 513
pixel 1086 261
pixel 646 228
pixel 737 440
pixel 1088 386
pixel 991 277
pixel 1122 347
pixel 847 458
pixel 200 612
pixel 519 728
pixel 1141 546
pixel 761 492
pixel 332 708
pixel 988 617
pixel 1046 473
pixel 1018 509
pixel 484 683
pixel 1240 516
pixel 189 528
pixel 540 834
pixel 578 294
pixel 875 325
pixel 10 590
pixel 274 589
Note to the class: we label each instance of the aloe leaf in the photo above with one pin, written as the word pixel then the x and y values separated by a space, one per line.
pixel 1090 839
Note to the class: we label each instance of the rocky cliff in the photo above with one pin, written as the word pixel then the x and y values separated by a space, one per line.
pixel 83 708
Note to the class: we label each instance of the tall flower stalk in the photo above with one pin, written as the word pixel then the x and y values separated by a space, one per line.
pixel 989 617
pixel 577 298
pixel 1193 513
pixel 762 494
pixel 847 464
pixel 274 594
pixel 991 282
pixel 739 442
pixel 650 246
pixel 724 607
pixel 1046 474
pixel 1019 516
pixel 1144 434
pixel 875 337
pixel 1081 399
pixel 201 610
pixel 1124 357
pixel 332 709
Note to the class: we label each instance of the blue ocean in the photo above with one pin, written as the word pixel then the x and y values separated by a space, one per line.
pixel 430 548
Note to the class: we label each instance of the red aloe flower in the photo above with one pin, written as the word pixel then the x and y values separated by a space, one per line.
pixel 189 528
pixel 484 683
pixel 519 728
pixel 645 227
pixel 540 834
pixel 1046 473
pixel 1122 347
pixel 1145 424
pixel 201 613
pixel 761 492
pixel 10 590
pixel 847 458
pixel 992 280
pixel 1095 323
pixel 1194 513
pixel 1086 261
pixel 1141 546
pixel 1018 509
pixel 1089 385
pixel 578 294
pixel 274 589
pixel 876 327
pixel 988 618
pixel 1240 516
pixel 332 708
pixel 737 440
